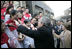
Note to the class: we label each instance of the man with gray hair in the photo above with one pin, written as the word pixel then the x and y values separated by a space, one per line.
pixel 45 21
pixel 43 35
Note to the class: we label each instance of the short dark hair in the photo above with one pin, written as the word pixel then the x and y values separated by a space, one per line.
pixel 33 18
pixel 22 7
pixel 26 21
pixel 40 12
pixel 13 12
pixel 18 6
pixel 35 15
pixel 20 11
pixel 9 7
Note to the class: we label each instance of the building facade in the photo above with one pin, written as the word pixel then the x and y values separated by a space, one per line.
pixel 39 6
pixel 67 14
pixel 35 7
pixel 19 3
pixel 67 11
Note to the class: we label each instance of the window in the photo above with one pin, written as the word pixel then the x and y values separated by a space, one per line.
pixel 38 9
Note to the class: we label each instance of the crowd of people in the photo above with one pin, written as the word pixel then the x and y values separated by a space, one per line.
pixel 19 29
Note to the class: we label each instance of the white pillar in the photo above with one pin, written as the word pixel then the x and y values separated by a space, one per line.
pixel 21 3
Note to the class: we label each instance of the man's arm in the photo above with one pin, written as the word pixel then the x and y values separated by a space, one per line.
pixel 31 33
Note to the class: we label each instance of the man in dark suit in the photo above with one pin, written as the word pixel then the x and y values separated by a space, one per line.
pixel 43 35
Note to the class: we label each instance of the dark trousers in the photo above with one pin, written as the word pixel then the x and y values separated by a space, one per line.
pixel 58 43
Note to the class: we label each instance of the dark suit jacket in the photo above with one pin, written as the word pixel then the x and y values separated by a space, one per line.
pixel 43 36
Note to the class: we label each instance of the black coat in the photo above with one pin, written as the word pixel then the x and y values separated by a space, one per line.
pixel 43 36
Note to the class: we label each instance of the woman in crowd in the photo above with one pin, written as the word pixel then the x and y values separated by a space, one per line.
pixel 40 15
pixel 33 22
pixel 8 10
pixel 65 37
pixel 69 25
pixel 13 26
pixel 36 17
pixel 11 22
pixel 18 20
